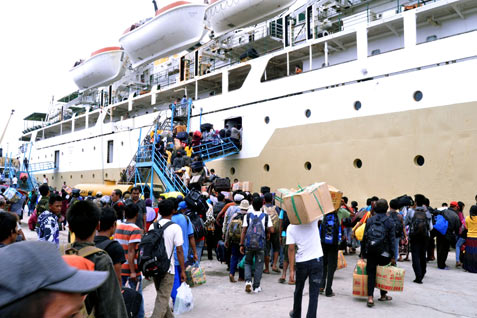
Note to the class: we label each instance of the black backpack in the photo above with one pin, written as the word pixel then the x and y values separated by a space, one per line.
pixel 132 300
pixel 197 224
pixel 397 224
pixel 196 202
pixel 285 221
pixel 376 236
pixel 330 230
pixel 153 260
pixel 419 225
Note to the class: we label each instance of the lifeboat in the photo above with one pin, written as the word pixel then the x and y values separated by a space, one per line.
pixel 103 67
pixel 175 28
pixel 226 15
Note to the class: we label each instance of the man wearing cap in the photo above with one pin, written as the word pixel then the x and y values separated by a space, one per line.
pixel 231 210
pixel 55 289
pixel 443 242
pixel 232 240
pixel 135 198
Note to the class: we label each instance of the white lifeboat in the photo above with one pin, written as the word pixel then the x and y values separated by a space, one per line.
pixel 103 67
pixel 175 28
pixel 226 15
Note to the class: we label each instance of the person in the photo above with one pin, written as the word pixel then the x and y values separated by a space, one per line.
pixel 400 228
pixel 470 260
pixel 45 197
pixel 48 224
pixel 45 179
pixel 284 223
pixel 8 228
pixel 256 227
pixel 298 69
pixel 32 198
pixel 235 136
pixel 330 235
pixel 141 218
pixel 55 289
pixel 107 228
pixel 14 182
pixel 309 265
pixel 461 234
pixel 213 175
pixel 3 203
pixel 116 197
pixel 232 239
pixel 25 163
pixel 444 241
pixel 129 235
pixel 378 242
pixel 83 218
pixel 173 240
pixel 419 221
pixel 274 242
pixel 151 213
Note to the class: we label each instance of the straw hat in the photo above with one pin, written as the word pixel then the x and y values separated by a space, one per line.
pixel 244 205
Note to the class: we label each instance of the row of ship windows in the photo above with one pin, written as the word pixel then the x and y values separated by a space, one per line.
pixel 94 149
pixel 81 176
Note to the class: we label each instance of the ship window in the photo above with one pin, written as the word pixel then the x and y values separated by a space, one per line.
pixel 418 96
pixel 419 160
pixel 266 167
pixel 308 165
pixel 357 105
pixel 61 176
pixel 232 171
pixel 57 158
pixel 276 68
pixel 431 38
pixel 376 52
pixel 357 163
pixel 308 113
pixel 110 151
pixel 267 120
pixel 237 77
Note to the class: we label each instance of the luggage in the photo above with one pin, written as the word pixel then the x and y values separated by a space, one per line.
pixel 441 224
pixel 336 196
pixel 195 275
pixel 360 279
pixel 398 226
pixel 132 300
pixel 390 278
pixel 255 237
pixel 197 224
pixel 196 202
pixel 247 186
pixel 196 166
pixel 330 230
pixel 12 195
pixel 237 186
pixel 272 213
pixel 376 236
pixel 220 251
pixel 235 228
pixel 264 189
pixel 206 127
pixel 419 227
pixel 182 136
pixel 341 260
pixel 222 184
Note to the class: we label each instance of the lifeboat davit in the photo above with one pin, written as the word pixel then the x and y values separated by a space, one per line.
pixel 175 28
pixel 226 15
pixel 103 67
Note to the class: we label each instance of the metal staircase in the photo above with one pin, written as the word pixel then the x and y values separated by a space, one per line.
pixel 216 149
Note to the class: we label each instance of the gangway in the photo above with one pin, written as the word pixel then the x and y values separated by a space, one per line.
pixel 216 149
pixel 39 166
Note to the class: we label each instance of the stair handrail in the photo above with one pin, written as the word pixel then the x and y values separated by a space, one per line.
pixel 220 146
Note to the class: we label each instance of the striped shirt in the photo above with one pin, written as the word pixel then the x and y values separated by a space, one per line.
pixel 128 233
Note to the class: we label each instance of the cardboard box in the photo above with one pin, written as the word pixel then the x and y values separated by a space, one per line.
pixel 228 195
pixel 237 186
pixel 360 285
pixel 336 196
pixel 390 278
pixel 308 204
pixel 360 268
pixel 247 186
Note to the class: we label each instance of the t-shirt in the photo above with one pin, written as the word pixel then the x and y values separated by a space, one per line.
pixel 281 217
pixel 128 233
pixel 258 213
pixel 307 239
pixel 114 249
pixel 142 211
pixel 186 230
pixel 172 238
pixel 48 229
pixel 471 224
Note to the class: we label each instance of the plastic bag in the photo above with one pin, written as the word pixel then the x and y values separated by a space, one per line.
pixel 184 300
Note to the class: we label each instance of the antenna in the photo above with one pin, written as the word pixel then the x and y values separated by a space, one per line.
pixel 155 6
pixel 6 126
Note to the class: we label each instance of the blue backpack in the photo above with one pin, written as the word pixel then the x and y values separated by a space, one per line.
pixel 441 224
pixel 330 230
pixel 256 236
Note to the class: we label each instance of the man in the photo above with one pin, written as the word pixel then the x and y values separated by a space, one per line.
pixel 3 203
pixel 256 227
pixel 8 228
pixel 274 241
pixel 173 240
pixel 378 242
pixel 45 197
pixel 55 289
pixel 461 235
pixel 45 179
pixel 419 221
pixel 330 235
pixel 284 223
pixel 235 136
pixel 309 265
pixel 107 301
pixel 129 235
pixel 15 182
pixel 32 198
pixel 141 218
pixel 398 223
pixel 107 228
pixel 213 176
pixel 233 235
pixel 444 241
pixel 48 224
pixel 116 196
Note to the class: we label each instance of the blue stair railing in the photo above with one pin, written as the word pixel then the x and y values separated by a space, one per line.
pixel 216 149
pixel 40 166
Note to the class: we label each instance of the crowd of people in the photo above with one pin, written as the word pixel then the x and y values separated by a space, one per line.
pixel 248 232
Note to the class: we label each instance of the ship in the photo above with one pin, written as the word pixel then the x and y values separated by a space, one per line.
pixel 373 97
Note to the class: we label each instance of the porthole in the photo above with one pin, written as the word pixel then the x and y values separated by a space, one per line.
pixel 308 113
pixel 82 150
pixel 94 148
pixel 267 120
pixel 93 175
pixel 357 163
pixel 106 175
pixel 266 167
pixel 418 96
pixel 308 165
pixel 122 143
pixel 81 176
pixel 357 105
pixel 52 178
pixel 61 177
pixel 62 153
pixel 232 171
pixel 419 160
pixel 71 176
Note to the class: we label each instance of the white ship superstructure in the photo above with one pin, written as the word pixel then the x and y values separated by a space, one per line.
pixel 376 97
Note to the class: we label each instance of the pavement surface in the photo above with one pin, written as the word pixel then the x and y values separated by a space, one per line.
pixel 445 293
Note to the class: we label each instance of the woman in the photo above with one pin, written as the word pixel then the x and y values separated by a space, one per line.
pixel 470 252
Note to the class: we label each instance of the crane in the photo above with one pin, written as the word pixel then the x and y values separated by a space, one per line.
pixel 6 126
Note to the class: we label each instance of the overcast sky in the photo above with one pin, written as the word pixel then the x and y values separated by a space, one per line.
pixel 41 40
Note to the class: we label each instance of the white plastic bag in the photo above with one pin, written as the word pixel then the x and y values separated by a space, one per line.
pixel 184 300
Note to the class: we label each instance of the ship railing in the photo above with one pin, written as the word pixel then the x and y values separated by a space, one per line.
pixel 217 148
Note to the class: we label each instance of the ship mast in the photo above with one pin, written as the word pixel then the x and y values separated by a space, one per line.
pixel 6 126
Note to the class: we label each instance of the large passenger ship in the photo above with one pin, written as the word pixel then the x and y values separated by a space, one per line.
pixel 374 97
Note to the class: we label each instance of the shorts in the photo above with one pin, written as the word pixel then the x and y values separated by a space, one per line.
pixel 274 243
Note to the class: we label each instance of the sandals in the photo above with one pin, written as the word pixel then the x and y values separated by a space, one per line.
pixel 291 282
pixel 276 270
pixel 386 298
pixel 370 303
pixel 232 279
pixel 282 280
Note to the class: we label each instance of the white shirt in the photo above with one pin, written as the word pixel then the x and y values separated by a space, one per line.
pixel 15 180
pixel 307 239
pixel 257 213
pixel 172 238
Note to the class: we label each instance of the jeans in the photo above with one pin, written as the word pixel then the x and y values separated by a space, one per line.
pixel 458 245
pixel 330 262
pixel 163 288
pixel 443 246
pixel 133 285
pixel 259 258
pixel 176 284
pixel 199 246
pixel 235 258
pixel 347 235
pixel 396 248
pixel 312 269
pixel 418 252
pixel 372 264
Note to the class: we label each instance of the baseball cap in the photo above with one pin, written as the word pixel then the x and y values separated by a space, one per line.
pixel 238 197
pixel 454 203
pixel 27 267
pixel 182 205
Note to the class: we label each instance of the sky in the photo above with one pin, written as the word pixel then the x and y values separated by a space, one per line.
pixel 41 40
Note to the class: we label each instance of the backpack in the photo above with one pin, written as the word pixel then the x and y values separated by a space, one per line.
pixel 256 235
pixel 330 230
pixel 220 251
pixel 397 224
pixel 441 224
pixel 197 224
pixel 153 260
pixel 196 202
pixel 104 244
pixel 419 225
pixel 132 300
pixel 235 228
pixel 376 236
pixel 272 212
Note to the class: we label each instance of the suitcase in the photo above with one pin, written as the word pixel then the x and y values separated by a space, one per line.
pixel 220 251
pixel 222 184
